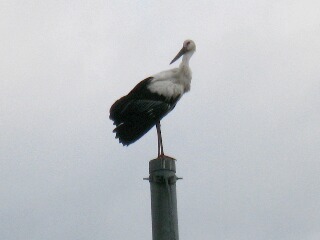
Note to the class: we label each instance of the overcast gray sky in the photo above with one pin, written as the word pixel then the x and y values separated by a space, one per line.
pixel 246 137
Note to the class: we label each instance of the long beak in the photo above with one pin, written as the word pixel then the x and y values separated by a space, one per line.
pixel 180 53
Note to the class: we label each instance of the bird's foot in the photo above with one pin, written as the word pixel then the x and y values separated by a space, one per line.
pixel 162 156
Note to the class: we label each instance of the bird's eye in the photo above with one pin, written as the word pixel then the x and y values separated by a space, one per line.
pixel 188 43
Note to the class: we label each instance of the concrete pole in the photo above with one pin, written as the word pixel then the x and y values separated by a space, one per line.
pixel 164 214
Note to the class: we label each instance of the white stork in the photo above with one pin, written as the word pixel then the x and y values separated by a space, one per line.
pixel 152 99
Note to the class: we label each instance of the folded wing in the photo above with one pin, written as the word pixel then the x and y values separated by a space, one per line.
pixel 136 113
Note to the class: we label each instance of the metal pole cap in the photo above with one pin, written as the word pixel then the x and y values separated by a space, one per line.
pixel 162 164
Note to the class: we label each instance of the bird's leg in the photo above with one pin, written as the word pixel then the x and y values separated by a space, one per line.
pixel 160 146
pixel 158 134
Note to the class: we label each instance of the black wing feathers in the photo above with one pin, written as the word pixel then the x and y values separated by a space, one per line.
pixel 136 113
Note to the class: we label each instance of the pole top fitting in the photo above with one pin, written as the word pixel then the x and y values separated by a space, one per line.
pixel 162 163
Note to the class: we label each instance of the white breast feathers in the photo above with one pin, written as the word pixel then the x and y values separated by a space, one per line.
pixel 171 83
pixel 166 88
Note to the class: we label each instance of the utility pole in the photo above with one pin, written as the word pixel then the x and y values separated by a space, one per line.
pixel 164 214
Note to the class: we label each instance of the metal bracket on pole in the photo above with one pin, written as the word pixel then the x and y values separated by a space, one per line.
pixel 161 179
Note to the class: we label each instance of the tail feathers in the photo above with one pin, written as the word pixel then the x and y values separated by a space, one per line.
pixel 129 132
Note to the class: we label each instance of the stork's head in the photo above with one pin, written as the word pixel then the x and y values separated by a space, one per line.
pixel 188 47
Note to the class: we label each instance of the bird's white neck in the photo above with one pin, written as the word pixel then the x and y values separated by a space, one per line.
pixel 184 69
pixel 185 59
